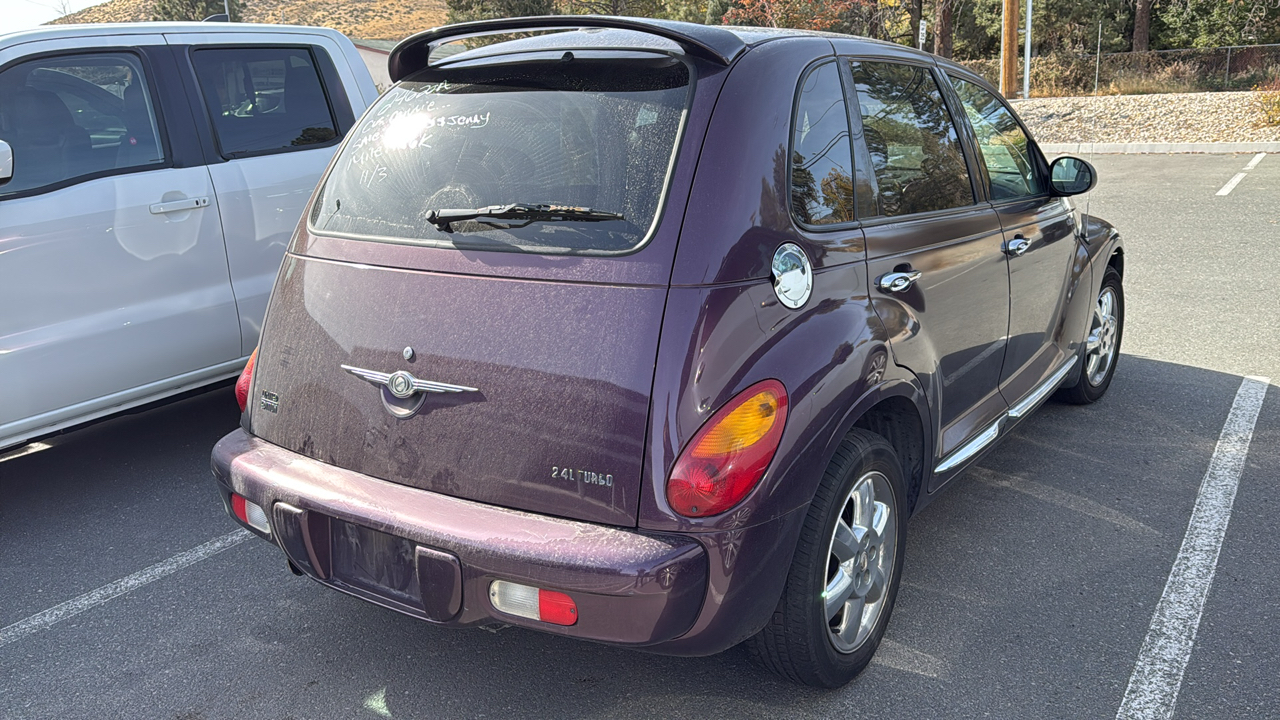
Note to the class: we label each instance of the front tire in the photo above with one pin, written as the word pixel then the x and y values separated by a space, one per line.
pixel 845 573
pixel 1101 348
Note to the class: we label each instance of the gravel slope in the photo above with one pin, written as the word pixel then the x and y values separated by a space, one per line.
pixel 366 19
pixel 1177 117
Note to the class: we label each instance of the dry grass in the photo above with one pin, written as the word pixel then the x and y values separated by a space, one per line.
pixel 1065 75
pixel 365 19
pixel 113 11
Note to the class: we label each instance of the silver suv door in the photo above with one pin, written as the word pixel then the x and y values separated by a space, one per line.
pixel 114 283
pixel 276 109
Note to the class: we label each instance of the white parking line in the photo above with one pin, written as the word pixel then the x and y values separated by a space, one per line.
pixel 75 606
pixel 1233 182
pixel 1157 676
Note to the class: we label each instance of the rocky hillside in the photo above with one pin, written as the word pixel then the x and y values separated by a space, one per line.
pixel 365 19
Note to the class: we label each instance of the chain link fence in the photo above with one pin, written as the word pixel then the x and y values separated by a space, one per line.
pixel 1247 67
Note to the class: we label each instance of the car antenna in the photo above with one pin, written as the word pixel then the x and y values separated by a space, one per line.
pixel 1097 68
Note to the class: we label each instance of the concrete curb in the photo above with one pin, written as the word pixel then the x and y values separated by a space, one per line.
pixel 1216 148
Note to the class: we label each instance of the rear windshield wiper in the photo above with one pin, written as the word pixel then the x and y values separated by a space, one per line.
pixel 503 214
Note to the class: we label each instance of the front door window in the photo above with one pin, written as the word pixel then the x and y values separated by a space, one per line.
pixel 1003 145
pixel 74 116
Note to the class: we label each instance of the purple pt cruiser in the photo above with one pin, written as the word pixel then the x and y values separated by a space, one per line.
pixel 657 334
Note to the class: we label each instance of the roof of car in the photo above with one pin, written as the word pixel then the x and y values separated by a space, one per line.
pixel 718 43
pixel 56 32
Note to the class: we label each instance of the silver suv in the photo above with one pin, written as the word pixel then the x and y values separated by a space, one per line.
pixel 150 177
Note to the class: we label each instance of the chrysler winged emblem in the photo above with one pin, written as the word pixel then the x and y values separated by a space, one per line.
pixel 403 385
pixel 403 394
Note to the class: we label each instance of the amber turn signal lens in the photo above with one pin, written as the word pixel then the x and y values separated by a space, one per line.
pixel 730 454
pixel 742 428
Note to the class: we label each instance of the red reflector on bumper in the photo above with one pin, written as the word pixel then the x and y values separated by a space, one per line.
pixel 556 608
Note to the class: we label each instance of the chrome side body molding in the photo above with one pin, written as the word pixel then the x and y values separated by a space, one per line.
pixel 1032 401
pixel 969 449
pixel 1023 408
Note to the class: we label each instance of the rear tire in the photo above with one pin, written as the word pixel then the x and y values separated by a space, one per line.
pixel 1101 348
pixel 844 576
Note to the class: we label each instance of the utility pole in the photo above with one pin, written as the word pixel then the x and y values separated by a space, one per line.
pixel 1009 49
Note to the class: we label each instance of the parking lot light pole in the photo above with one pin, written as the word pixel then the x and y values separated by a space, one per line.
pixel 1026 56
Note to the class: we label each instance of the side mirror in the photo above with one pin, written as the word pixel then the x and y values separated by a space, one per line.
pixel 1071 176
pixel 6 162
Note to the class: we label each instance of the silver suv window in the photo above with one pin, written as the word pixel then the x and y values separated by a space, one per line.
pixel 264 99
pixel 595 139
pixel 73 116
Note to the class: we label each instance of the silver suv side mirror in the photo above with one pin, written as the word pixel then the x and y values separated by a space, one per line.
pixel 6 162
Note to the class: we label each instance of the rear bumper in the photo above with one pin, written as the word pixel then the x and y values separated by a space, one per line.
pixel 631 588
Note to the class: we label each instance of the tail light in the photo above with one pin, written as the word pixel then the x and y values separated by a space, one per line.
pixel 246 378
pixel 729 455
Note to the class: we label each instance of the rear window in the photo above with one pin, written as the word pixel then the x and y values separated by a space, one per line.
pixel 264 100
pixel 575 133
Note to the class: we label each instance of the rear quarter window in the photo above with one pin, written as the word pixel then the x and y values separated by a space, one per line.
pixel 821 160
pixel 587 134
pixel 264 99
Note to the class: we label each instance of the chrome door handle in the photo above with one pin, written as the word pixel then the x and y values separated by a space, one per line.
pixel 896 282
pixel 179 205
pixel 1017 246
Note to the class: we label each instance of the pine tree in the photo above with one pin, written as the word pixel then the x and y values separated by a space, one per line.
pixel 196 10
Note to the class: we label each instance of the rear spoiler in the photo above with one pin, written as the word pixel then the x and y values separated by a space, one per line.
pixel 708 42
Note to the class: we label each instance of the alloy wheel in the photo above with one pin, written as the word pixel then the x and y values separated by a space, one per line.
pixel 1100 346
pixel 860 562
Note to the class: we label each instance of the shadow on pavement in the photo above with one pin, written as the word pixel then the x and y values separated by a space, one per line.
pixel 1027 591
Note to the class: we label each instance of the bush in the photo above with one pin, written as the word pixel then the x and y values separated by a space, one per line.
pixel 1052 75
pixel 1175 76
pixel 193 10
pixel 1269 101
pixel 1061 74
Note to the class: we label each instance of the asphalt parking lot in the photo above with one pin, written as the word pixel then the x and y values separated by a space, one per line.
pixel 1028 591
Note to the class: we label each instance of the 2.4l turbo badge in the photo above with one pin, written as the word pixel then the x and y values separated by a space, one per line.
pixel 585 477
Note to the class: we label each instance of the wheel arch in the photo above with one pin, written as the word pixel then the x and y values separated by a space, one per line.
pixel 896 410
pixel 1117 259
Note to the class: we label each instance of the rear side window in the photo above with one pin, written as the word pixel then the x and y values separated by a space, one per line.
pixel 914 147
pixel 75 115
pixel 1002 144
pixel 264 99
pixel 821 162
pixel 583 134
